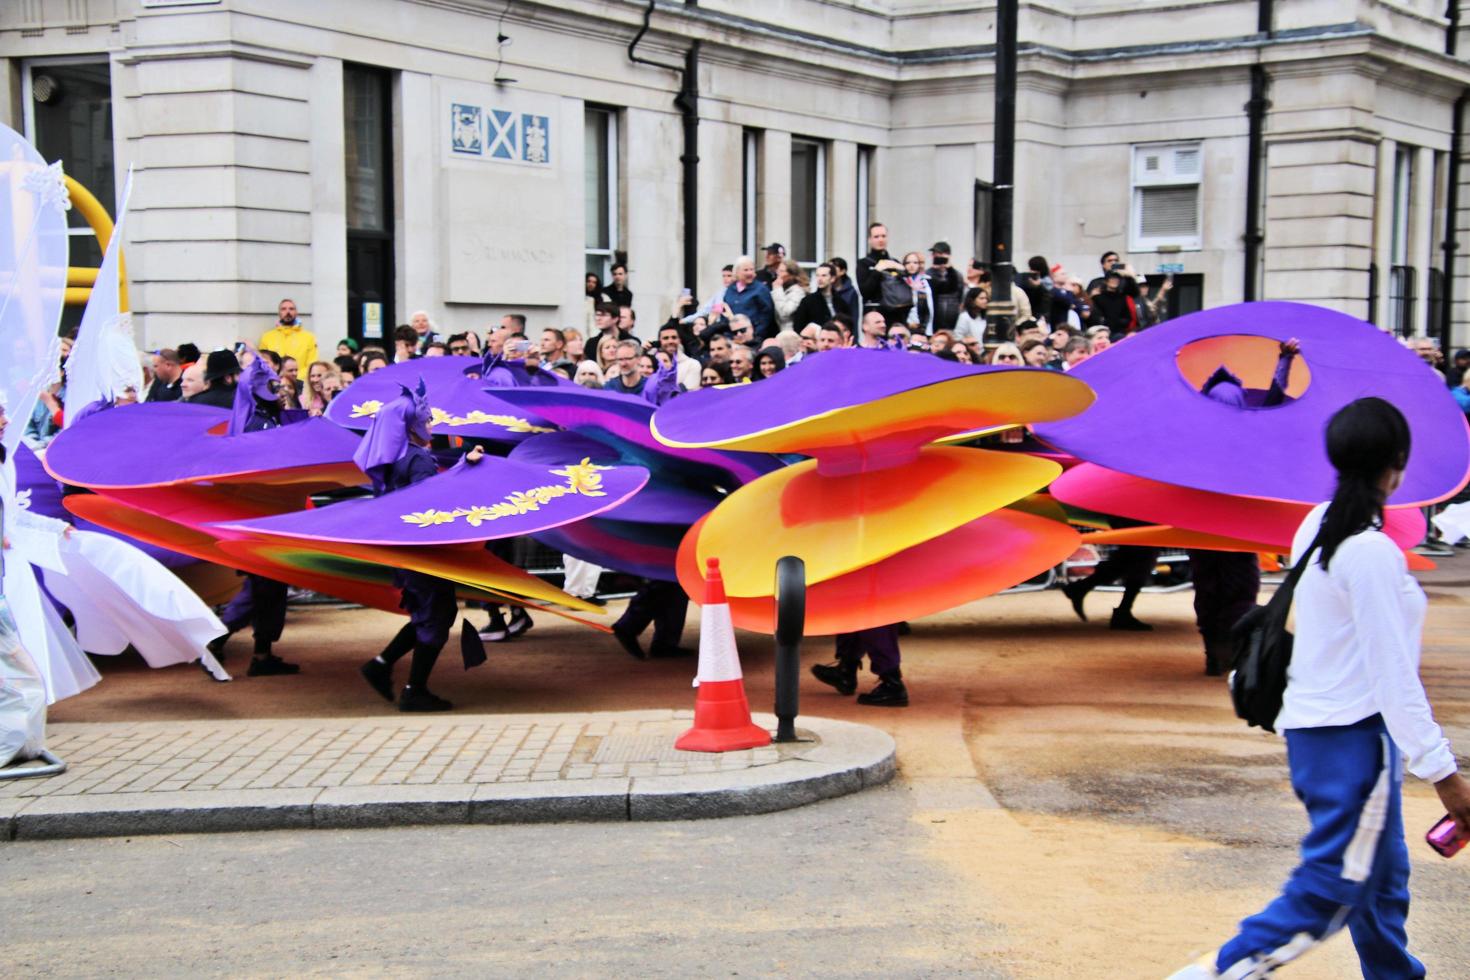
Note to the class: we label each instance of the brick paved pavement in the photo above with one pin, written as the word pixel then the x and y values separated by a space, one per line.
pixel 290 772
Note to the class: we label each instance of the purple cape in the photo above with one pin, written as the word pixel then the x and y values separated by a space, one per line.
pixel 387 439
pixel 1149 421
pixel 459 405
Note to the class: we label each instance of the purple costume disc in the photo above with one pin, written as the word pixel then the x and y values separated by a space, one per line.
pixel 460 405
pixel 1149 421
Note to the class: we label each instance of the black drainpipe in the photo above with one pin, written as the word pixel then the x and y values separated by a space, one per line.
pixel 687 102
pixel 1255 111
pixel 1451 232
pixel 1452 31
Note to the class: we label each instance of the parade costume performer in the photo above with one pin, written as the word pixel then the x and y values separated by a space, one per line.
pixel 261 603
pixel 880 644
pixel 31 539
pixel 1228 583
pixel 1131 565
pixel 395 454
pixel 1355 715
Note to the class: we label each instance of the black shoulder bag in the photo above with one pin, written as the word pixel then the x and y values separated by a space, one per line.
pixel 1263 652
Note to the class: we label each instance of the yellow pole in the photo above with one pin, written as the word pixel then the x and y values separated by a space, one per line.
pixel 100 221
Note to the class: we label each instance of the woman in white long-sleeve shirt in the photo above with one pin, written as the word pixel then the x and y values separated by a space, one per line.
pixel 1354 712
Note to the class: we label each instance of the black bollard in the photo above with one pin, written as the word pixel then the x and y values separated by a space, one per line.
pixel 790 625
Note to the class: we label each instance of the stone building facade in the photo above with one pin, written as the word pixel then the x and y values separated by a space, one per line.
pixel 473 157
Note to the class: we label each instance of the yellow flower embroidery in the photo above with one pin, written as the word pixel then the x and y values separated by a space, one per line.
pixel 439 416
pixel 584 478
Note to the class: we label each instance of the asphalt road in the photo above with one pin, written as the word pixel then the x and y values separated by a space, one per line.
pixel 1072 803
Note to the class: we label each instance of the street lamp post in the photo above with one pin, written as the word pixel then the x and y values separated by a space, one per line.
pixel 1002 264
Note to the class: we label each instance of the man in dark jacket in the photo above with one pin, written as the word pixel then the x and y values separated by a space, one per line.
pixel 947 285
pixel 874 264
pixel 221 370
pixel 844 294
pixel 167 370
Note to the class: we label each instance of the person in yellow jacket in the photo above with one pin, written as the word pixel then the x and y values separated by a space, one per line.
pixel 288 337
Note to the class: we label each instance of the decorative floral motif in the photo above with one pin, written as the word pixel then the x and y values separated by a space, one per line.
pixel 584 479
pixel 510 423
pixel 49 184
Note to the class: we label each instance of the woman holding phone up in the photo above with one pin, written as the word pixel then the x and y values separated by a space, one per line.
pixel 1354 710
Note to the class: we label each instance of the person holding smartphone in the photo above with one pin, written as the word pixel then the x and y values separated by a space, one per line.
pixel 1354 710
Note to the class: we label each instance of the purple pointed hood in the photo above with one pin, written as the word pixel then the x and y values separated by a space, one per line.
pixel 1225 387
pixel 258 382
pixel 387 439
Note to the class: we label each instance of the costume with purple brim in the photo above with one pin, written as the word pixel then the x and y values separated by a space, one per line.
pixel 392 454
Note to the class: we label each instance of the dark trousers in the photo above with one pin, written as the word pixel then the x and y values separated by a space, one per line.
pixel 261 604
pixel 879 643
pixel 1128 564
pixel 1226 587
pixel 663 604
pixel 431 608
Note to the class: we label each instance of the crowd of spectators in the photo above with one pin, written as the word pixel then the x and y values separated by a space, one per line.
pixel 758 322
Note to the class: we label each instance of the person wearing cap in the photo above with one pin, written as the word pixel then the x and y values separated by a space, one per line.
pixel 221 369
pixel 1454 374
pixel 947 285
pixel 395 454
pixel 775 255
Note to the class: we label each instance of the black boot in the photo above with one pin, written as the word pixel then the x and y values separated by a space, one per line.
pixel 1077 591
pixel 1123 619
pixel 842 675
pixel 495 629
pixel 520 621
pixel 379 677
pixel 628 640
pixel 421 699
pixel 1219 656
pixel 890 692
pixel 267 664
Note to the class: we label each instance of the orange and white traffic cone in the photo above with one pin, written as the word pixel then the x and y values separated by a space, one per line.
pixel 721 712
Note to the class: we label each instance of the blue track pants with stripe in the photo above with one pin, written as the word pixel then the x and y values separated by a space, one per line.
pixel 1354 869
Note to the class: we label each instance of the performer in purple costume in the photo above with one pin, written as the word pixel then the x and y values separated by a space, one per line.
pixel 1228 583
pixel 395 453
pixel 261 603
pixel 663 604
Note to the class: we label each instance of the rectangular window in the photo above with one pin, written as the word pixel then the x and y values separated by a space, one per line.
pixel 601 176
pixel 750 162
pixel 367 141
pixel 1166 196
pixel 808 202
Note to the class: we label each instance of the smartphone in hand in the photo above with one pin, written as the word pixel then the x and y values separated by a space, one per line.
pixel 1445 837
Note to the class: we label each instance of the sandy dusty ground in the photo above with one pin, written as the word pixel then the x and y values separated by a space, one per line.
pixel 1086 795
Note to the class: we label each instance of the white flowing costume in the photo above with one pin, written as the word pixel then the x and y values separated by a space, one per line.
pixel 118 595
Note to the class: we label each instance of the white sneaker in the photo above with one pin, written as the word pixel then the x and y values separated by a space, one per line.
pixel 1201 969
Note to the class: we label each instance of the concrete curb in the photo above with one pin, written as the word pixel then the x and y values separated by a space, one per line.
pixel 845 758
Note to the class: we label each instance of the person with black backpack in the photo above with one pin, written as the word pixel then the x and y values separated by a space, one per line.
pixel 1353 710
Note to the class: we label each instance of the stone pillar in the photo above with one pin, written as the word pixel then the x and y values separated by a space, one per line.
pixel 223 207
pixel 329 208
pixel 721 198
pixel 1319 220
pixel 653 224
pixel 842 198
pixel 1422 250
pixel 1383 226
pixel 416 254
pixel 773 192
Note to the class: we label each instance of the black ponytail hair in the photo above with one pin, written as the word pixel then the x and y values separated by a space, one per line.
pixel 1365 440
